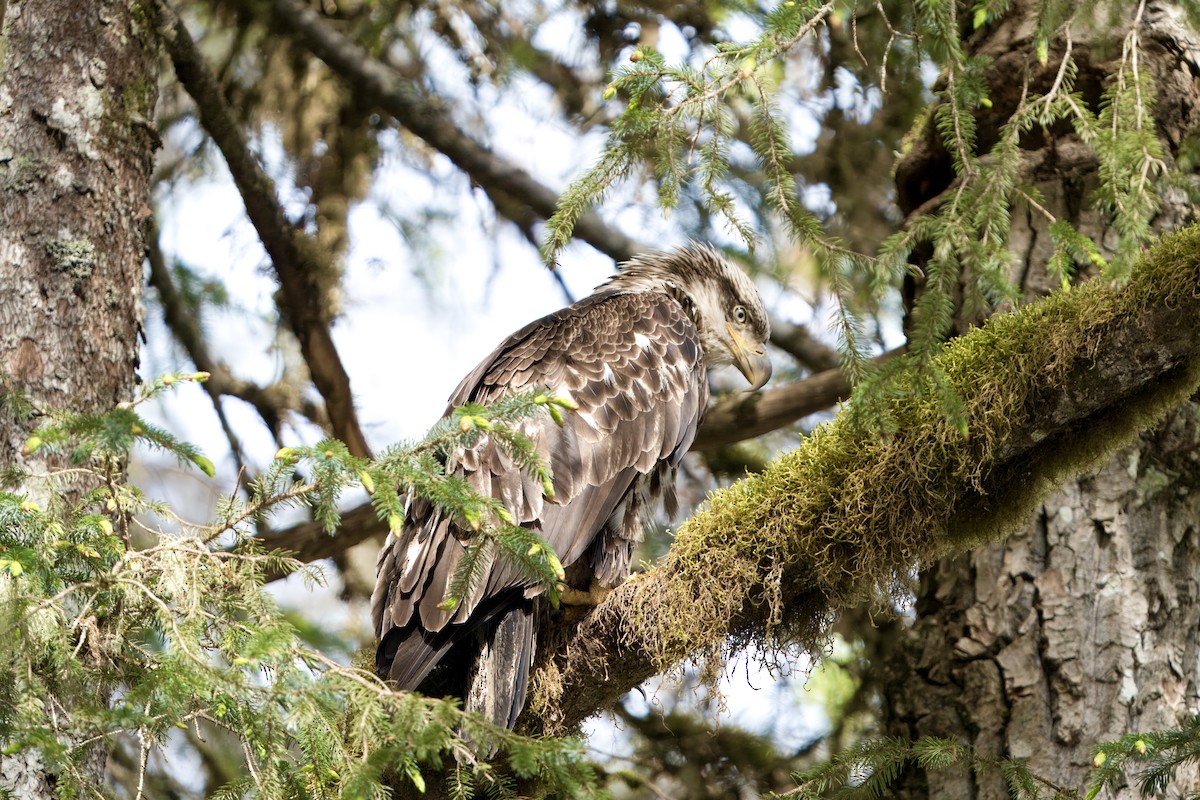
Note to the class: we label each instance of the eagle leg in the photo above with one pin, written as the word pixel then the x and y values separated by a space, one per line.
pixel 594 596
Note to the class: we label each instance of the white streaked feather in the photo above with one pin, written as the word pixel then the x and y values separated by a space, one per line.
pixel 410 555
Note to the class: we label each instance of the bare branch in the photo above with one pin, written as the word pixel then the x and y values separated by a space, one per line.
pixel 429 119
pixel 797 341
pixel 272 403
pixel 294 256
pixel 309 542
pixel 749 414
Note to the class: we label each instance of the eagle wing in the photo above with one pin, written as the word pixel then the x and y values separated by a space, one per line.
pixel 633 364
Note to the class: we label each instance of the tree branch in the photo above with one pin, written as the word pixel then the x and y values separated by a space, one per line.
pixel 1049 391
pixel 294 256
pixel 803 346
pixel 749 414
pixel 271 402
pixel 429 119
pixel 309 542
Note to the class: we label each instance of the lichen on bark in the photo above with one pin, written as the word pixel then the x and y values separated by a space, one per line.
pixel 74 195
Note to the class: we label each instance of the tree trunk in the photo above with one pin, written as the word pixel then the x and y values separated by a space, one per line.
pixel 1087 625
pixel 78 84
pixel 1080 629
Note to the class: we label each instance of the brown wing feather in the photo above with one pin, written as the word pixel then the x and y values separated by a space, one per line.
pixel 632 363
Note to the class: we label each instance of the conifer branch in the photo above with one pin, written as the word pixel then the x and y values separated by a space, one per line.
pixel 746 415
pixel 798 342
pixel 295 257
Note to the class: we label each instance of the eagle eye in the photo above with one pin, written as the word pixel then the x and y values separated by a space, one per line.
pixel 739 313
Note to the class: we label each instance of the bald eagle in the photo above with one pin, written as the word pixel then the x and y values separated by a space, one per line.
pixel 634 357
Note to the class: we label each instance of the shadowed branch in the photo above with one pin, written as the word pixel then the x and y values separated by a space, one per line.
pixel 429 119
pixel 272 403
pixel 294 256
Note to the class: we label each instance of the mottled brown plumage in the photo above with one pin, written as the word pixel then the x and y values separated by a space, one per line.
pixel 633 356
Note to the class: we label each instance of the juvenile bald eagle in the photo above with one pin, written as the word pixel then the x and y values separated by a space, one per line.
pixel 634 357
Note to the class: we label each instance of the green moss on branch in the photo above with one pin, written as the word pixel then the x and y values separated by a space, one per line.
pixel 1048 392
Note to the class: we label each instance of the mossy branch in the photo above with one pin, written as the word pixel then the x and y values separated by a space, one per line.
pixel 1048 392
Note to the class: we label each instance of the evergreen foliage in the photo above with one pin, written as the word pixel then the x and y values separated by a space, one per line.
pixel 106 589
pixel 680 120
pixel 183 633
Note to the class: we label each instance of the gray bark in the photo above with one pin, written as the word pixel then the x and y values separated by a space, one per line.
pixel 1080 629
pixel 1085 626
pixel 78 84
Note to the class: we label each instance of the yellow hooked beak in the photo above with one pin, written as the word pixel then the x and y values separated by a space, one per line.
pixel 751 359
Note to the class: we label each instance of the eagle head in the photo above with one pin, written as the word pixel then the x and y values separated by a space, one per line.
pixel 721 300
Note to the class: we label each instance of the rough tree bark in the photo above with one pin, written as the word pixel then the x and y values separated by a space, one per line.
pixel 78 84
pixel 1086 625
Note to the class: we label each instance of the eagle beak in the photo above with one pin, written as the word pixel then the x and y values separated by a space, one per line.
pixel 751 360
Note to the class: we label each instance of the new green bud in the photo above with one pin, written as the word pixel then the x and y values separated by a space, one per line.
pixel 566 402
pixel 205 466
pixel 415 776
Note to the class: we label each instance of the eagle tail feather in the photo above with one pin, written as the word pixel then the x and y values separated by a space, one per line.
pixel 500 674
pixel 406 656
